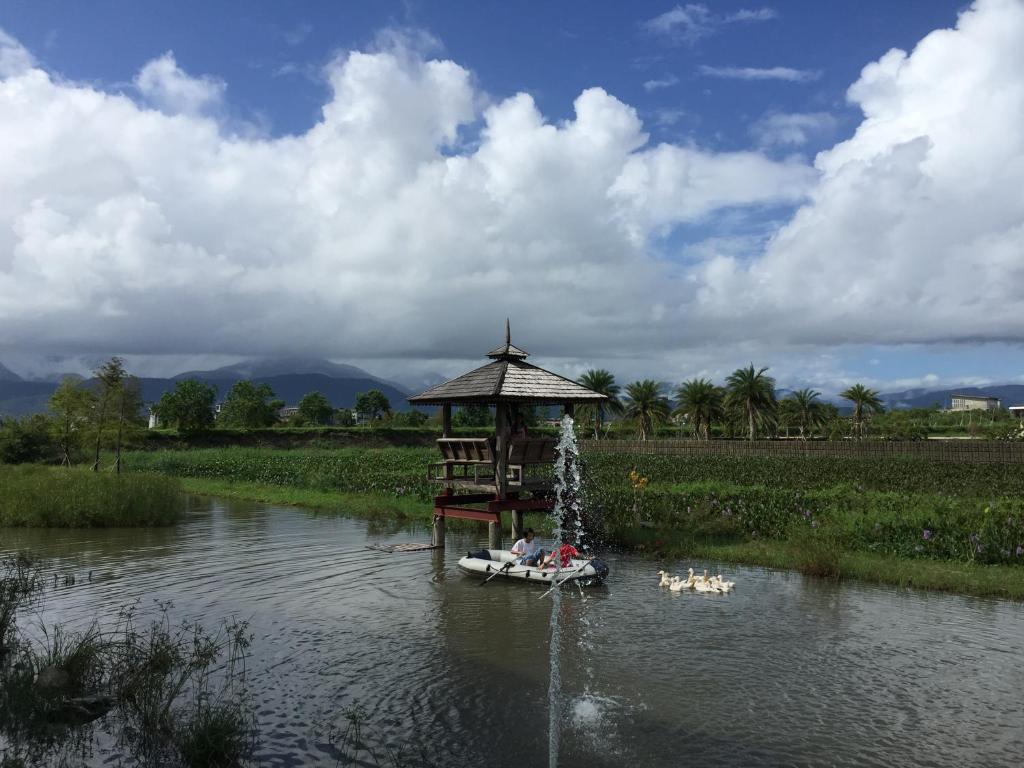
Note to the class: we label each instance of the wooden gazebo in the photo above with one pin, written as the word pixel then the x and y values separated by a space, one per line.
pixel 483 477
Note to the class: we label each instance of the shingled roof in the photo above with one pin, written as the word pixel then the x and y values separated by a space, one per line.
pixel 508 379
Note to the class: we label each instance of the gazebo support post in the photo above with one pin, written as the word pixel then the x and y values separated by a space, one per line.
pixel 437 532
pixel 501 414
pixel 517 524
pixel 446 420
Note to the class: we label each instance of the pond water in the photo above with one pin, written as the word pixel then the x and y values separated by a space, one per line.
pixel 786 670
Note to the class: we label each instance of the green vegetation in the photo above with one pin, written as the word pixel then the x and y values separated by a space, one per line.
pixel 249 406
pixel 866 403
pixel 372 405
pixel 168 695
pixel 188 407
pixel 645 406
pixel 53 497
pixel 314 408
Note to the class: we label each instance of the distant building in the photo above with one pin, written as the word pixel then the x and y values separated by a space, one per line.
pixel 288 412
pixel 154 420
pixel 973 403
pixel 1018 411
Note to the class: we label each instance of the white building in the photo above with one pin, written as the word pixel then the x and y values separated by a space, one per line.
pixel 973 403
pixel 1018 411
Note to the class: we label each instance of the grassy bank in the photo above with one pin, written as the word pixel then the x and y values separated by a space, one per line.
pixel 939 525
pixel 54 497
pixel 966 578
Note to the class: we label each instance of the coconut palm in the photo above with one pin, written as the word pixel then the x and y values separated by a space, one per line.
pixel 865 403
pixel 753 393
pixel 804 410
pixel 602 381
pixel 700 401
pixel 646 406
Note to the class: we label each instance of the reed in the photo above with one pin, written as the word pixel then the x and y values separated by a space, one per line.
pixel 55 497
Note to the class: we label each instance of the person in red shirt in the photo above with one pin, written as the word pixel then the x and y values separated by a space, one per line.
pixel 565 553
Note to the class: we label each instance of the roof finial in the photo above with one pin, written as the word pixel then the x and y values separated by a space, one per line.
pixel 508 333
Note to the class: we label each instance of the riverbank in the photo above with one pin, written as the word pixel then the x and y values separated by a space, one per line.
pixel 60 497
pixel 977 580
pixel 933 525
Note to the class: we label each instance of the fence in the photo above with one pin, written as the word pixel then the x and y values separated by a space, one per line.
pixel 963 451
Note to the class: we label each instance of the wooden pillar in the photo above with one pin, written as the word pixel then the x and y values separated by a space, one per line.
pixel 517 524
pixel 446 420
pixel 437 533
pixel 501 447
pixel 494 535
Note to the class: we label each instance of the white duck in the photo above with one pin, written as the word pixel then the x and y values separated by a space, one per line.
pixel 665 580
pixel 677 585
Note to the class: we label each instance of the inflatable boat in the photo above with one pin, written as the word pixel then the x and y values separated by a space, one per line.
pixel 501 564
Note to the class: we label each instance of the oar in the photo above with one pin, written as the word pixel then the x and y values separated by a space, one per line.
pixel 575 572
pixel 503 568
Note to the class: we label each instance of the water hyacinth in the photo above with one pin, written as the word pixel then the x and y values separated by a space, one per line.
pixel 926 534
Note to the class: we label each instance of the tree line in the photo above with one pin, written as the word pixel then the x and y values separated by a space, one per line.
pixel 87 417
pixel 746 405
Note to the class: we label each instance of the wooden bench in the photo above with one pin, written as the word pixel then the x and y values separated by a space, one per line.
pixel 526 452
pixel 464 459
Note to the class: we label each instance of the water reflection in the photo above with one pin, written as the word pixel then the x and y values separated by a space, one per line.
pixel 785 670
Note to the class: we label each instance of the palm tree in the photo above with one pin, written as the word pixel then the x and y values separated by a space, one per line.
pixel 753 393
pixel 865 403
pixel 646 406
pixel 602 381
pixel 805 410
pixel 700 401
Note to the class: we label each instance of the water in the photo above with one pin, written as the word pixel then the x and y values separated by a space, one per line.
pixel 785 671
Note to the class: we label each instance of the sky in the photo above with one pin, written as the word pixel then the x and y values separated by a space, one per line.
pixel 663 190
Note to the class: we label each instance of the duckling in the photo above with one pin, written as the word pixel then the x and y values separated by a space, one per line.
pixel 665 580
pixel 677 585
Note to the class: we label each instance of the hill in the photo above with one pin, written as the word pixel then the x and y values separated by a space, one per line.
pixel 1008 394
pixel 337 382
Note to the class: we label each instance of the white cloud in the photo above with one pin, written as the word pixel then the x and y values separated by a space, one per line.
pixel 916 230
pixel 374 234
pixel 381 233
pixel 665 82
pixel 757 73
pixel 793 129
pixel 14 59
pixel 169 88
pixel 689 23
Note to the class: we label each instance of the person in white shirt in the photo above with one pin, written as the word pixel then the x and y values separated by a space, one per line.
pixel 528 549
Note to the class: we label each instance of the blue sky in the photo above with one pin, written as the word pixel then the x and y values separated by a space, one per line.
pixel 735 90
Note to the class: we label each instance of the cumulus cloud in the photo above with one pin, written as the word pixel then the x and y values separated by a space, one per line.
pixel 761 73
pixel 374 234
pixel 167 87
pixel 416 215
pixel 915 232
pixel 791 128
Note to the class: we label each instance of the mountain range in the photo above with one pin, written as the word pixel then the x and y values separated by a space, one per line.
pixel 293 377
pixel 290 378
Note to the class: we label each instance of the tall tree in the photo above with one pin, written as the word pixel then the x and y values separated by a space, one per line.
pixel 646 406
pixel 315 407
pixel 71 405
pixel 752 392
pixel 129 402
pixel 372 404
pixel 804 410
pixel 700 401
pixel 602 381
pixel 110 378
pixel 865 403
pixel 249 406
pixel 472 416
pixel 189 406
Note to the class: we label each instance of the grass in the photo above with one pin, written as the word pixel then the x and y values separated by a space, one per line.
pixel 55 497
pixel 980 580
pixel 896 521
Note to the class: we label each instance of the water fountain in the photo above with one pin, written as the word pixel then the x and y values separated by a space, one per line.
pixel 568 519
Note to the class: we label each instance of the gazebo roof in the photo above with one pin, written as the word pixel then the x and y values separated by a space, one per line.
pixel 508 379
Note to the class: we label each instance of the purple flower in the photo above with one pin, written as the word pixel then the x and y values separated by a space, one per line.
pixel 814 523
pixel 807 514
pixel 926 534
pixel 975 538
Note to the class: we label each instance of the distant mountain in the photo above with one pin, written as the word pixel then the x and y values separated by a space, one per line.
pixel 416 384
pixel 1008 394
pixel 6 374
pixel 289 378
